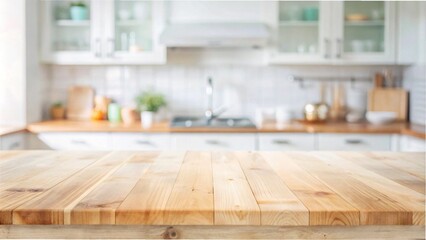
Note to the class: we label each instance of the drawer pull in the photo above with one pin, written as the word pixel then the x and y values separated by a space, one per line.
pixel 144 142
pixel 14 145
pixel 353 141
pixel 213 142
pixel 283 142
pixel 79 142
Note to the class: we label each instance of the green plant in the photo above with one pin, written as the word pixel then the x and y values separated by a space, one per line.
pixel 150 101
pixel 57 105
pixel 78 4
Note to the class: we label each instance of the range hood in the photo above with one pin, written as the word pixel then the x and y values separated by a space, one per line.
pixel 241 35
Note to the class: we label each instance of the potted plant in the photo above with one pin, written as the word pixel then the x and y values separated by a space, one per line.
pixel 79 11
pixel 57 111
pixel 148 104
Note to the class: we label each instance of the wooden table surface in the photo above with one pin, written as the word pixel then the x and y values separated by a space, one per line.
pixel 212 188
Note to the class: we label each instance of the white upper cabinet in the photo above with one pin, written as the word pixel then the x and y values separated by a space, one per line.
pixel 341 32
pixel 301 32
pixel 70 36
pixel 103 32
pixel 364 32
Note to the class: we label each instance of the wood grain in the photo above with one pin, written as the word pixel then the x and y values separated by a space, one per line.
pixel 376 208
pixel 183 189
pixel 49 207
pixel 325 206
pixel 212 232
pixel 98 207
pixel 234 202
pixel 277 203
pixel 146 202
pixel 36 176
pixel 191 200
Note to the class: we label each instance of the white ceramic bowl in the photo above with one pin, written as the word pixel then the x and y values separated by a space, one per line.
pixel 380 117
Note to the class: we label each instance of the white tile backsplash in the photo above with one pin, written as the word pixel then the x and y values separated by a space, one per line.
pixel 241 89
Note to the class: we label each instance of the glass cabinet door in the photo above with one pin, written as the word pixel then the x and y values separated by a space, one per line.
pixel 301 33
pixel 365 28
pixel 132 35
pixel 67 30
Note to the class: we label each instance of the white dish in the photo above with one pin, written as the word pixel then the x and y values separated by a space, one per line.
pixel 380 117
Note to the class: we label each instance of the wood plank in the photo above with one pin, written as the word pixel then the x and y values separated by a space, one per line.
pixel 211 232
pixel 147 200
pixel 38 170
pixel 8 155
pixel 50 206
pixel 324 205
pixel 12 166
pixel 409 199
pixel 99 206
pixel 278 204
pixel 234 201
pixel 375 207
pixel 385 170
pixel 38 180
pixel 403 163
pixel 191 200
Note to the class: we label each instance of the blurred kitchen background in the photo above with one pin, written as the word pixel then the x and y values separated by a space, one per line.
pixel 276 63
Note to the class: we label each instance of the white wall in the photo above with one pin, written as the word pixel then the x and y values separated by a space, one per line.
pixel 12 62
pixel 19 82
pixel 241 88
pixel 415 75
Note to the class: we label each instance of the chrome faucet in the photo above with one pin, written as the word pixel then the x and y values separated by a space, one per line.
pixel 210 113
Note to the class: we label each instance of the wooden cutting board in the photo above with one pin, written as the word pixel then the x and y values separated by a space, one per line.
pixel 389 100
pixel 80 102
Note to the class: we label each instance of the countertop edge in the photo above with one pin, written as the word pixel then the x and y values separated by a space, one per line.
pixel 44 127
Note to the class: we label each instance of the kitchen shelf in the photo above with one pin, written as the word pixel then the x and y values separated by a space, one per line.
pixel 298 23
pixel 366 23
pixel 73 23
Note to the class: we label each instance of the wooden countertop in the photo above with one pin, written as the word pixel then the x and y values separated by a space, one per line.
pixel 212 188
pixel 163 127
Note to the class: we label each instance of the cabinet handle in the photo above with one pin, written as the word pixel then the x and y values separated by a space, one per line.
pixel 80 142
pixel 326 48
pixel 338 48
pixel 353 141
pixel 144 142
pixel 14 145
pixel 111 42
pixel 213 142
pixel 98 48
pixel 281 141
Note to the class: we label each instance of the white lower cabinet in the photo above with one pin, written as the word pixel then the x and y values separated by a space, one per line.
pixel 140 141
pixel 76 141
pixel 354 142
pixel 14 141
pixel 411 144
pixel 286 141
pixel 214 141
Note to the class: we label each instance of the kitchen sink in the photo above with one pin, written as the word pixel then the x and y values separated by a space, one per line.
pixel 194 122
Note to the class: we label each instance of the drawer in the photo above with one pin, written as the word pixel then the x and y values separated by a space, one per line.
pixel 210 141
pixel 412 144
pixel 140 141
pixel 354 142
pixel 286 142
pixel 13 142
pixel 76 141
